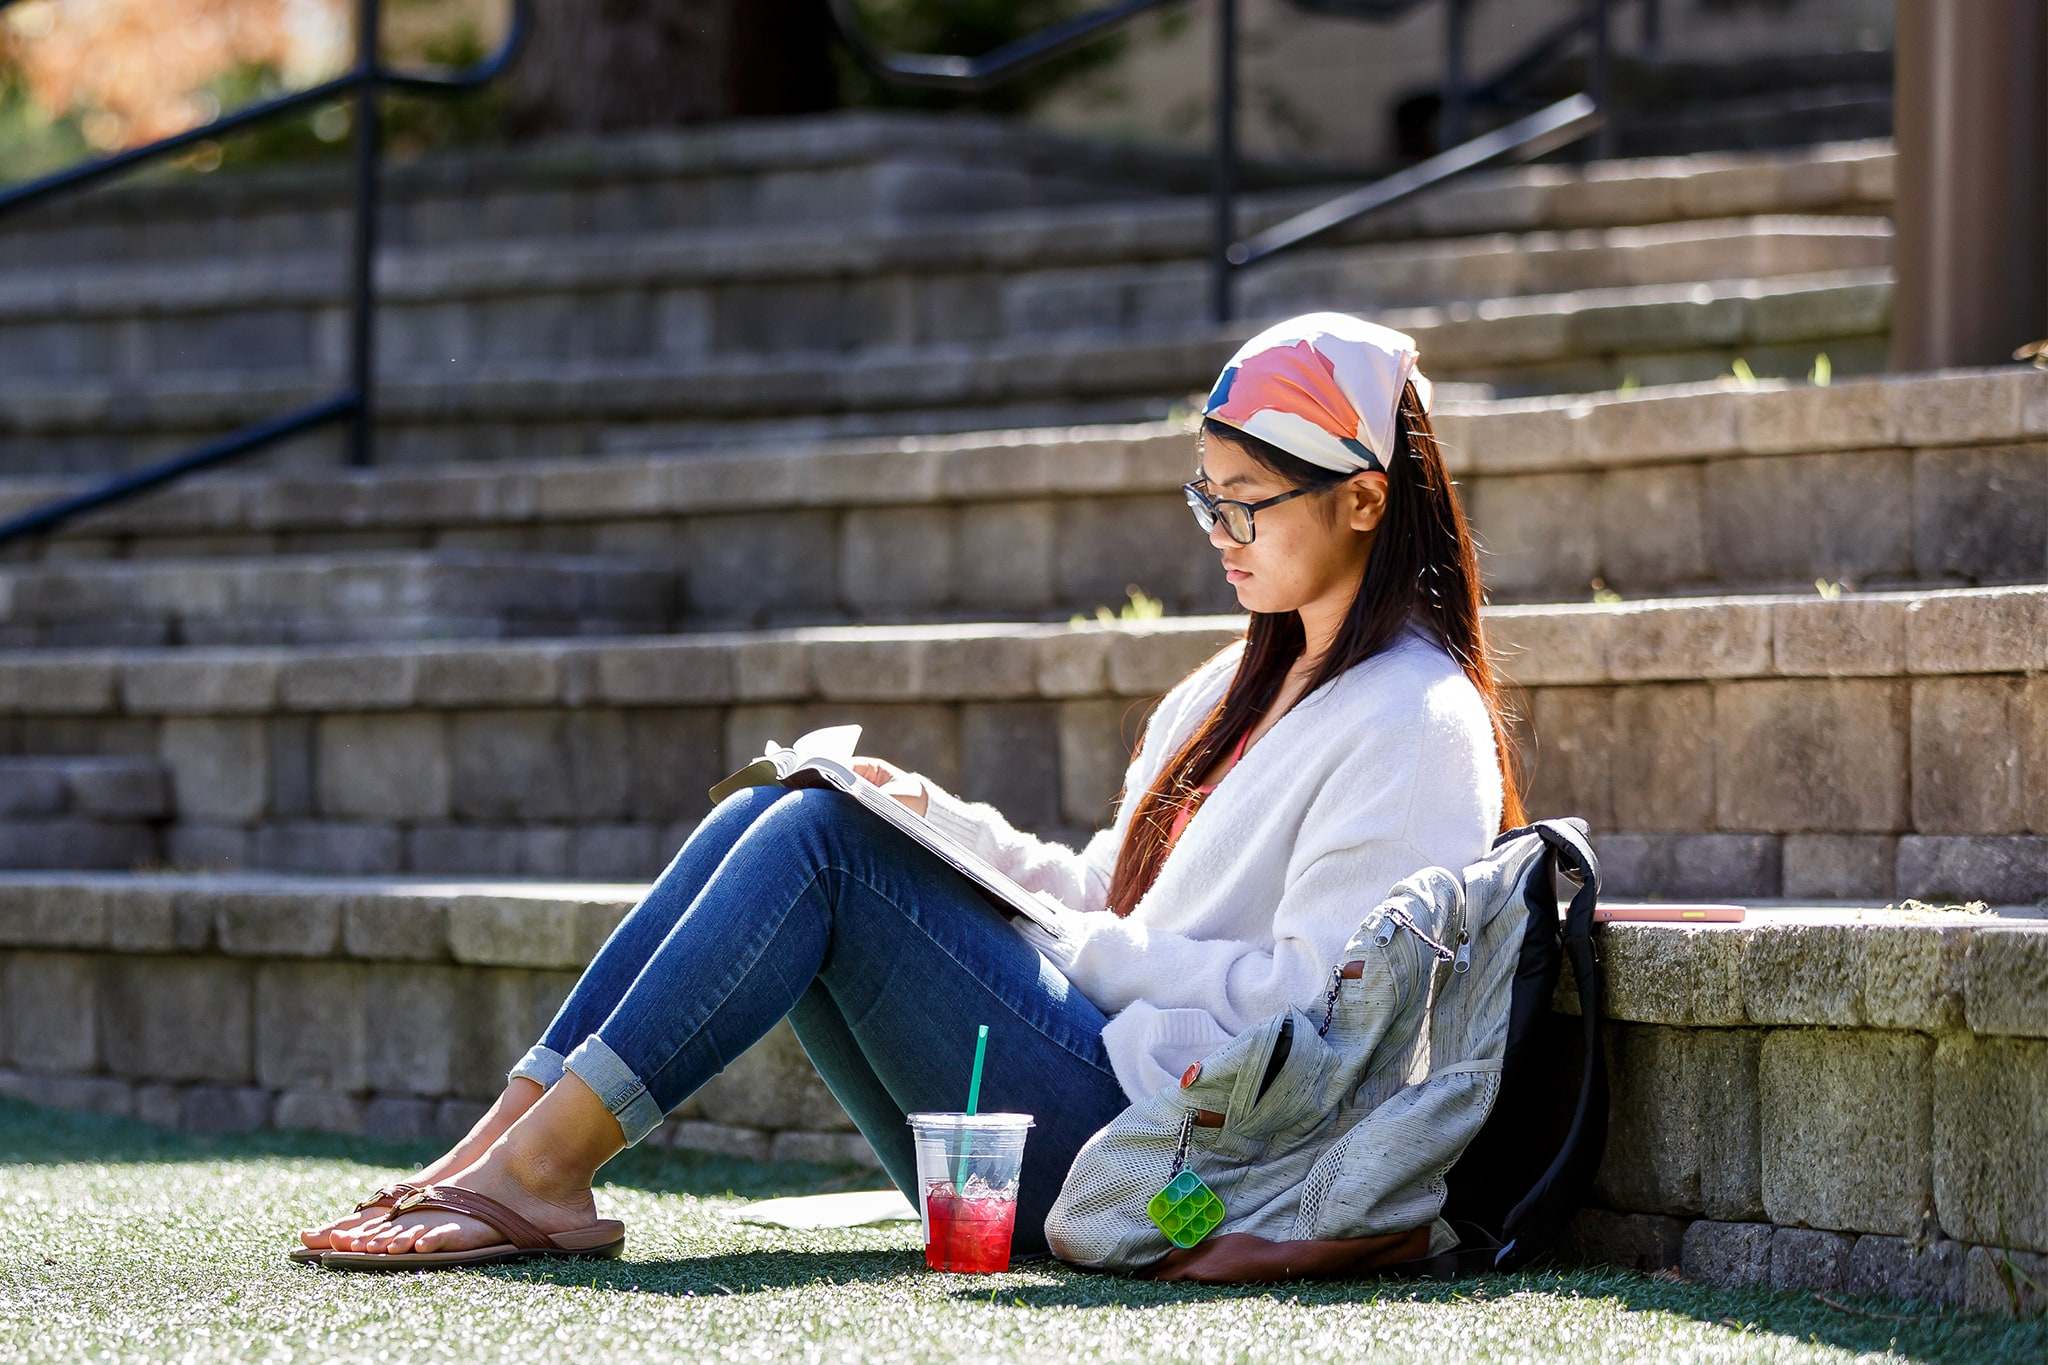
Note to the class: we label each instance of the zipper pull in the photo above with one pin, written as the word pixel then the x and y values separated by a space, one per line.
pixel 1180 1147
pixel 1330 999
pixel 1385 933
pixel 1462 963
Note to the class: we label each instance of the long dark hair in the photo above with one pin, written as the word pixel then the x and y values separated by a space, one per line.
pixel 1422 563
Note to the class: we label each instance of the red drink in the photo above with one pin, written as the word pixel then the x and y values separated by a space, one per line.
pixel 971 1231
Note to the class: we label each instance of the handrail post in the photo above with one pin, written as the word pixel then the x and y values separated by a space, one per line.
pixel 1224 163
pixel 1455 119
pixel 363 266
pixel 1603 136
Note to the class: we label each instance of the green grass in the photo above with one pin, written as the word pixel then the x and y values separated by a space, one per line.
pixel 129 1242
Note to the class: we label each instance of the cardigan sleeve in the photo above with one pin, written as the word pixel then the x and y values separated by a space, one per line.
pixel 1355 843
pixel 1118 961
pixel 1079 879
pixel 1076 879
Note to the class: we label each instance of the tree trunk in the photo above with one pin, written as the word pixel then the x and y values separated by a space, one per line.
pixel 594 66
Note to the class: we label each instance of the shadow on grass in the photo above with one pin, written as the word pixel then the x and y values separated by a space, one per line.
pixel 1859 1325
pixel 737 1272
pixel 32 1136
pixel 1909 1331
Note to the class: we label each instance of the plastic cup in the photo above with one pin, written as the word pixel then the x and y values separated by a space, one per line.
pixel 968 1167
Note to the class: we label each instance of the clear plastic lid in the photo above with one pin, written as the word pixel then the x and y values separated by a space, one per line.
pixel 965 1120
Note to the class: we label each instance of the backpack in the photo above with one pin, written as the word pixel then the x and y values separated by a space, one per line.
pixel 1406 1125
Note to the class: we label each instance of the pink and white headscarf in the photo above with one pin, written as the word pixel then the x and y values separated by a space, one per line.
pixel 1322 386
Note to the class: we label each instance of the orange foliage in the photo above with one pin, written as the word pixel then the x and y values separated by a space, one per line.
pixel 135 70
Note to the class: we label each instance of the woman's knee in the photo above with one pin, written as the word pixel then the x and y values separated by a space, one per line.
pixel 747 804
pixel 805 810
pixel 780 812
pixel 721 828
pixel 738 813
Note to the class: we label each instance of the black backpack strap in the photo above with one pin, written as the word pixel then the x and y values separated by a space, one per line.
pixel 1476 1253
pixel 1535 1222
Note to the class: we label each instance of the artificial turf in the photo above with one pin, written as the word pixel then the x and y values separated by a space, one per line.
pixel 130 1242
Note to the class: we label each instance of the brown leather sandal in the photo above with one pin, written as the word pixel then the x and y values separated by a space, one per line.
pixel 604 1238
pixel 382 1195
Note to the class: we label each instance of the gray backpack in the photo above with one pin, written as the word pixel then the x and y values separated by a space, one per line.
pixel 1330 1141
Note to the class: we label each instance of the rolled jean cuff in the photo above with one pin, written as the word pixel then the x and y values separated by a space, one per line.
pixel 623 1093
pixel 541 1065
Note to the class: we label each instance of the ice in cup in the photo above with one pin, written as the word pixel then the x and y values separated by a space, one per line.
pixel 968 1167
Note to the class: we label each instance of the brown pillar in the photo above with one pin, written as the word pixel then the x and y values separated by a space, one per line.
pixel 1970 106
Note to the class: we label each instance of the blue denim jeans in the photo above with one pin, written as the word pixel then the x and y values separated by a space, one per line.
pixel 802 903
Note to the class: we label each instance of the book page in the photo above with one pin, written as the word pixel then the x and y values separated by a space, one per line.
pixel 836 742
pixel 825 757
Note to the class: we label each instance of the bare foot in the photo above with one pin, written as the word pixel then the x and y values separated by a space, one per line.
pixel 519 1096
pixel 546 1198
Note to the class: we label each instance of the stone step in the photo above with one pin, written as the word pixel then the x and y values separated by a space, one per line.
pixel 1760 122
pixel 1880 744
pixel 81 810
pixel 451 593
pixel 125 787
pixel 688 298
pixel 869 167
pixel 1671 491
pixel 892 169
pixel 1742 1057
pixel 1675 105
pixel 1588 340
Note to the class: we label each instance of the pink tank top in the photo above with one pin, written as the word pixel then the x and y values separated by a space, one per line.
pixel 1187 812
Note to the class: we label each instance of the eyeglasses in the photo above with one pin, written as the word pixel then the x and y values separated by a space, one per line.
pixel 1236 516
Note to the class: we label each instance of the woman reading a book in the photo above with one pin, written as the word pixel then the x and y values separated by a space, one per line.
pixel 1354 734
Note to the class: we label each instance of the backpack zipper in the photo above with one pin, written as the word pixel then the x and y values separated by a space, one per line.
pixel 1461 962
pixel 1396 915
pixel 1330 1000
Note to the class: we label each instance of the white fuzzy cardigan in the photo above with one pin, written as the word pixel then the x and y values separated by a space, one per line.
pixel 1385 769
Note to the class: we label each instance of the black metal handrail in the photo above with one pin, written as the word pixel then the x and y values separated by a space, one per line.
pixel 977 75
pixel 356 403
pixel 1556 125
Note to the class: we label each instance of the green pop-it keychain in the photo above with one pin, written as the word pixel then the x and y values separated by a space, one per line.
pixel 1187 1210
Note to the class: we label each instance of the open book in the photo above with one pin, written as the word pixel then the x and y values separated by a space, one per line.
pixel 824 758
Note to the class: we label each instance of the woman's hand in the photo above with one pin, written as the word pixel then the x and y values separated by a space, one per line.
pixel 906 787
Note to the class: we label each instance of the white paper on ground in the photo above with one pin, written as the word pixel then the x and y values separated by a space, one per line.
pixel 851 1209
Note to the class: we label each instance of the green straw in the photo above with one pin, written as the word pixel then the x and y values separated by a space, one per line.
pixel 973 1100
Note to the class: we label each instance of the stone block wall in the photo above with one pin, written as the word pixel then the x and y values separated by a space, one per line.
pixel 1885 745
pixel 1847 1103
pixel 351 1008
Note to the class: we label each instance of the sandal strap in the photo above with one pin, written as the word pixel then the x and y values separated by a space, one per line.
pixel 387 1194
pixel 456 1199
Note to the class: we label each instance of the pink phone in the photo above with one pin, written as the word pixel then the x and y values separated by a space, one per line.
pixel 1690 914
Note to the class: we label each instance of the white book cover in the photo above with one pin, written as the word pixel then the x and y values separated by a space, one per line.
pixel 824 757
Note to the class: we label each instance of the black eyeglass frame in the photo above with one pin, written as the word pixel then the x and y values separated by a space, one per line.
pixel 1208 509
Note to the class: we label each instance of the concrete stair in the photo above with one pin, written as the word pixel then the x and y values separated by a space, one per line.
pixel 689 297
pixel 1540 279
pixel 311 599
pixel 1678 491
pixel 81 810
pixel 852 168
pixel 1672 105
pixel 1537 344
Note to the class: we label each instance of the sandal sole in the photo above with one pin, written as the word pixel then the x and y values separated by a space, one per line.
pixel 386 1262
